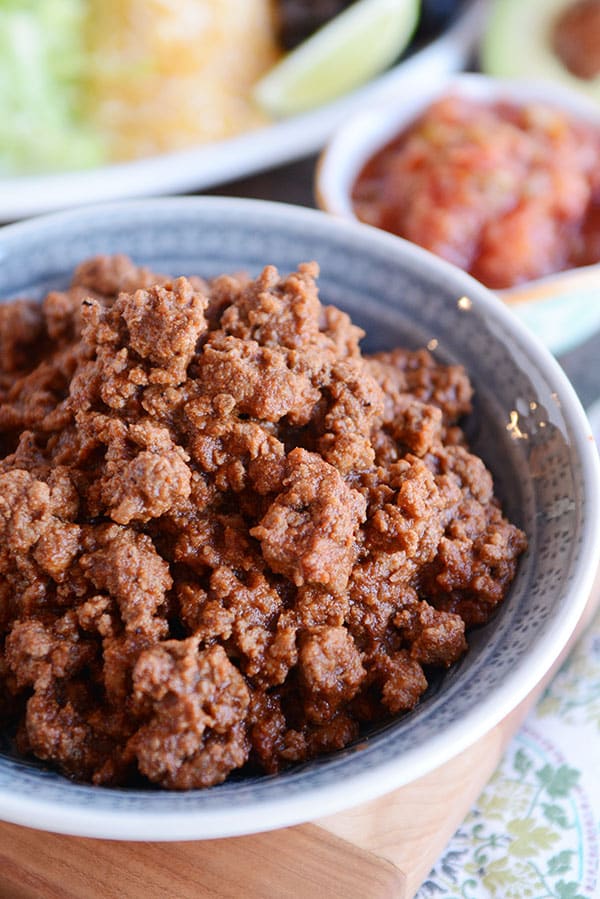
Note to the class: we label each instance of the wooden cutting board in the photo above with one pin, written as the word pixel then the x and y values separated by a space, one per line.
pixel 381 850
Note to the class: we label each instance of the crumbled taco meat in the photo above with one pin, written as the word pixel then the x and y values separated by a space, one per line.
pixel 227 539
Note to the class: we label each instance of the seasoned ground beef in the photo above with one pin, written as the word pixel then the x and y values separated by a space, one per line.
pixel 228 539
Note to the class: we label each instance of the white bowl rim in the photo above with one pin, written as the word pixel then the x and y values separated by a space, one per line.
pixel 194 824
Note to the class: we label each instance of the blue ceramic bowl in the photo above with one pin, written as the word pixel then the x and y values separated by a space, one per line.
pixel 546 471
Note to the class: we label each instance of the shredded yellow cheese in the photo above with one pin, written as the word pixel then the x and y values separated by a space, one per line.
pixel 168 74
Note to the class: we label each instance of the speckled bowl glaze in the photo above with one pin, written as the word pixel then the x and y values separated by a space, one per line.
pixel 527 424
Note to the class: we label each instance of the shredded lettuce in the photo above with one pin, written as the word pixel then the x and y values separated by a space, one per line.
pixel 42 88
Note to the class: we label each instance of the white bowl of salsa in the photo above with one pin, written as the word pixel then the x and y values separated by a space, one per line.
pixel 499 177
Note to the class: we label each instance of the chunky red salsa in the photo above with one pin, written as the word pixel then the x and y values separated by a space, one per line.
pixel 506 192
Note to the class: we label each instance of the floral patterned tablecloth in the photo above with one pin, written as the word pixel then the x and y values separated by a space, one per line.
pixel 534 832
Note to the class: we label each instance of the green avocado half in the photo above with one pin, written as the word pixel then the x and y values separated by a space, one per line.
pixel 519 43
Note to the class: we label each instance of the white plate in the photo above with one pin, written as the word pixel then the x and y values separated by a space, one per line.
pixel 222 161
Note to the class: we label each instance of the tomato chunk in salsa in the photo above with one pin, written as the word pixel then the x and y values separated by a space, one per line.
pixel 506 192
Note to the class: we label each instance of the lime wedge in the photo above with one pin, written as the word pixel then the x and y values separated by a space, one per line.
pixel 349 50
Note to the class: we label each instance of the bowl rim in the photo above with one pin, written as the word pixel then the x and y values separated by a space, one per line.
pixel 368 130
pixel 130 824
